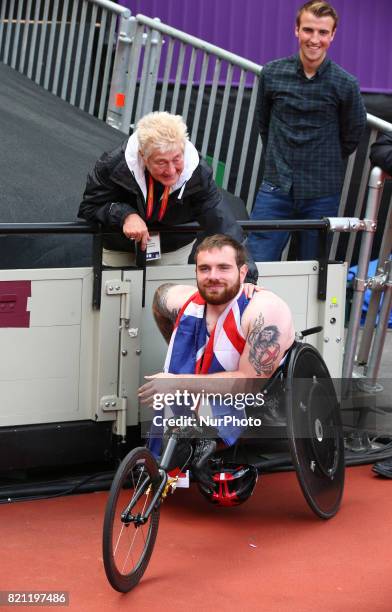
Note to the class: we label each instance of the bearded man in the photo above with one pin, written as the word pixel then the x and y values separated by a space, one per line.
pixel 222 332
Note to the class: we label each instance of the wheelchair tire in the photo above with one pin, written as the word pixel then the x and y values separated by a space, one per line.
pixel 314 430
pixel 127 545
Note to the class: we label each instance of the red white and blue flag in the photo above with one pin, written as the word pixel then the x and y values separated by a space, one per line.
pixel 192 351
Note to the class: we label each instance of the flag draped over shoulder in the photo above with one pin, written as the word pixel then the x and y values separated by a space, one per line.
pixel 192 351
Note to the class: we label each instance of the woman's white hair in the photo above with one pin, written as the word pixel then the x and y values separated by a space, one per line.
pixel 161 131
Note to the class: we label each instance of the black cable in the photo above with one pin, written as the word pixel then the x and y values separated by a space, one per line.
pixel 106 477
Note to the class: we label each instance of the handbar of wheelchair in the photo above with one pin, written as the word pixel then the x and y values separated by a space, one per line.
pixel 311 330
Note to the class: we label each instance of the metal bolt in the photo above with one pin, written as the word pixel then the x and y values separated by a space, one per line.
pixel 138 351
pixel 338 339
pixel 124 352
pixel 315 268
pixel 117 287
pixel 110 288
pixel 114 404
pixel 326 339
pixel 107 404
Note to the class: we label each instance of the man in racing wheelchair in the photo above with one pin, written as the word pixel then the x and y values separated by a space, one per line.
pixel 220 338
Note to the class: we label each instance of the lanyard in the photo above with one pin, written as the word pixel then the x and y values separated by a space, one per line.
pixel 150 200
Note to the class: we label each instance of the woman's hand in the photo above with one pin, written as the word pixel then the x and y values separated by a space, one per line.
pixel 135 228
pixel 250 289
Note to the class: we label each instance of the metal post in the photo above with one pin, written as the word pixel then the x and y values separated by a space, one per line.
pixel 372 207
pixel 97 268
pixel 360 197
pixel 323 265
pixel 152 74
pixel 379 338
pixel 142 79
pixel 118 88
pixel 137 42
pixel 385 250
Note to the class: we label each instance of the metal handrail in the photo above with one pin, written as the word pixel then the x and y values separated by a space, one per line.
pixel 79 227
pixel 378 124
pixel 198 43
pixel 113 7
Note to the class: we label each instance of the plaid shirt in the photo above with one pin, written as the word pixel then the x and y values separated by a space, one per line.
pixel 308 126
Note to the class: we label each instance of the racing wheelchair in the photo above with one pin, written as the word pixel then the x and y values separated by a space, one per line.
pixel 303 386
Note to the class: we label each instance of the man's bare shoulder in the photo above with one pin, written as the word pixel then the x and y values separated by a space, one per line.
pixel 269 307
pixel 169 297
pixel 268 302
pixel 167 303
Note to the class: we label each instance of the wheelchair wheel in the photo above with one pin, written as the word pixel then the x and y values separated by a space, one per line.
pixel 315 431
pixel 128 539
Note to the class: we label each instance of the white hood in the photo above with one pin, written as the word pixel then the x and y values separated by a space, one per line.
pixel 136 165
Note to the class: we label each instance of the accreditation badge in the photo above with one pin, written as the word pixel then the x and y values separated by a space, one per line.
pixel 154 247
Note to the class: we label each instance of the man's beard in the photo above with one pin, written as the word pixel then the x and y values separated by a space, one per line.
pixel 225 295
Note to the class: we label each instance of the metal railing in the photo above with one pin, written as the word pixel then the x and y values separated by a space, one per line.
pixel 358 162
pixel 77 49
pixel 66 47
pixel 173 71
pixel 118 67
pixel 216 93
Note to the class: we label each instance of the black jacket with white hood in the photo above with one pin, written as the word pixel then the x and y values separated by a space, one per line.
pixel 116 188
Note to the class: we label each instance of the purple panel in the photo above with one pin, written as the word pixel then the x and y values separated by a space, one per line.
pixel 262 30
pixel 13 303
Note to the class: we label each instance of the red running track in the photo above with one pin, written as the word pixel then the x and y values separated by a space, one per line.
pixel 271 554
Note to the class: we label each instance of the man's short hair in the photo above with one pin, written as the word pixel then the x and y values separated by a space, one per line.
pixel 161 131
pixel 318 9
pixel 218 241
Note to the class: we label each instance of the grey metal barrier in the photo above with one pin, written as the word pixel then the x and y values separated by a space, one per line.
pixel 373 338
pixel 160 68
pixel 118 67
pixel 65 46
pixel 353 200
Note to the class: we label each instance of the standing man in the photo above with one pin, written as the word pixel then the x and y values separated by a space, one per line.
pixel 311 118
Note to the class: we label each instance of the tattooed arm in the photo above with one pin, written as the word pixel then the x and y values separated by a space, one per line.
pixel 264 347
pixel 164 317
pixel 269 330
pixel 166 305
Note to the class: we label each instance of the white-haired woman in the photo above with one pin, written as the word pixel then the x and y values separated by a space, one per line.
pixel 156 177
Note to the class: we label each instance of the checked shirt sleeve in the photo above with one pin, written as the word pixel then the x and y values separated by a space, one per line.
pixel 352 118
pixel 263 108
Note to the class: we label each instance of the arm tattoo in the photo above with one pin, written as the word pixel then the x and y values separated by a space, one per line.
pixel 264 346
pixel 164 317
